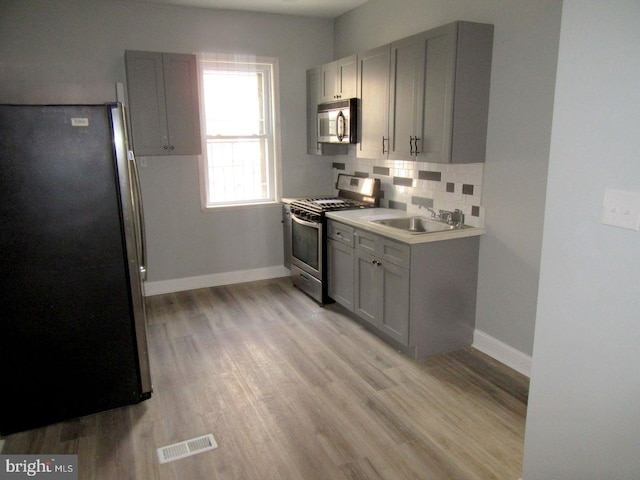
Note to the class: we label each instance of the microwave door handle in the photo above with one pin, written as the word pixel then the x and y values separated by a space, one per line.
pixel 340 126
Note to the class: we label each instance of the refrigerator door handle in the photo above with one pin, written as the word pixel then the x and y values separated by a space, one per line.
pixel 137 200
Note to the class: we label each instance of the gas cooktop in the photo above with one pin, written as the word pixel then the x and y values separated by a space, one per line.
pixel 353 193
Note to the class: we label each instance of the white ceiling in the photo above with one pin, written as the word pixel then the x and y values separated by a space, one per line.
pixel 315 8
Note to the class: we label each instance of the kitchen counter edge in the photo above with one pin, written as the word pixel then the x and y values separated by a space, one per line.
pixel 362 219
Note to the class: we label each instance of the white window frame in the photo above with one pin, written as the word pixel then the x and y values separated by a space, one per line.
pixel 272 128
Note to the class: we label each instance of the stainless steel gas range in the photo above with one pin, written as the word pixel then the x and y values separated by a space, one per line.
pixel 308 230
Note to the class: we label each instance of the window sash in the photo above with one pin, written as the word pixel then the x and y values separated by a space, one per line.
pixel 233 160
pixel 226 163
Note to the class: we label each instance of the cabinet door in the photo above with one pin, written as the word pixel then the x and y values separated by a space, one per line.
pixel 328 81
pixel 394 316
pixel 405 97
pixel 313 99
pixel 474 52
pixel 147 107
pixel 341 273
pixel 373 92
pixel 435 120
pixel 346 83
pixel 183 112
pixel 367 287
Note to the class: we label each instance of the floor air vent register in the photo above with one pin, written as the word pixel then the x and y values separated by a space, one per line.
pixel 186 448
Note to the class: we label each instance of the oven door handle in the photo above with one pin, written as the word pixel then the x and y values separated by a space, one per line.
pixel 304 222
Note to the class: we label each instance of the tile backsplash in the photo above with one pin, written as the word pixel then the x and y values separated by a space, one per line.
pixel 409 185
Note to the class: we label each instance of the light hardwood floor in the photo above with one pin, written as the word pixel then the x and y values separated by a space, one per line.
pixel 292 390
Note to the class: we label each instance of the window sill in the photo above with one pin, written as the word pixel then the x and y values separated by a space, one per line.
pixel 242 206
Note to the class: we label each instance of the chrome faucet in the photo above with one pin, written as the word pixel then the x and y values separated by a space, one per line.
pixel 434 214
pixel 451 218
pixel 457 218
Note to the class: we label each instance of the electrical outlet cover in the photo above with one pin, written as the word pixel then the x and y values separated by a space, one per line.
pixel 621 209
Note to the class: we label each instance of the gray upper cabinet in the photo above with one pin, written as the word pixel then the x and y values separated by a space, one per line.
pixel 452 126
pixel 313 98
pixel 373 92
pixel 163 103
pixel 406 84
pixel 437 98
pixel 338 79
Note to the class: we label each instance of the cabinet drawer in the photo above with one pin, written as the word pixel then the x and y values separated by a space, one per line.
pixel 340 232
pixel 394 252
pixel 366 242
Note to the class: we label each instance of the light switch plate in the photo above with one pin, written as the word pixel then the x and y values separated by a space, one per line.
pixel 621 209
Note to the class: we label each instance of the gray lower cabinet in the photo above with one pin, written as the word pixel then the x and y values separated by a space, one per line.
pixel 163 103
pixel 340 262
pixel 341 284
pixel 382 295
pixel 420 297
pixel 382 284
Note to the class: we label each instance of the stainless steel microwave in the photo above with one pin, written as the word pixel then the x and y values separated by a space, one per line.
pixel 337 121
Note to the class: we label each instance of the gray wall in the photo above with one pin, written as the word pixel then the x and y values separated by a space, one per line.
pixel 522 81
pixel 584 407
pixel 71 51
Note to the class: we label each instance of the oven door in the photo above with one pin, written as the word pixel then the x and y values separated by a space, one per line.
pixel 306 257
pixel 306 245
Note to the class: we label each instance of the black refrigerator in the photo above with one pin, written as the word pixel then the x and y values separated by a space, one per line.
pixel 73 338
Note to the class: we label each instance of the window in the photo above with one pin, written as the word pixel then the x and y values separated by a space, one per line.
pixel 239 141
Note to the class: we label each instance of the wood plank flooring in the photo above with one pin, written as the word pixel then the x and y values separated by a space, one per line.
pixel 292 390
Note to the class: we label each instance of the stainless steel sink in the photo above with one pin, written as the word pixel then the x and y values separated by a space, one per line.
pixel 416 225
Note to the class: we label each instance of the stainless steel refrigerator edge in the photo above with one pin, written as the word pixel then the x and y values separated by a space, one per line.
pixel 135 242
pixel 73 338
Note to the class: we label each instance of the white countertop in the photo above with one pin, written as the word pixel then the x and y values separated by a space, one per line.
pixel 361 219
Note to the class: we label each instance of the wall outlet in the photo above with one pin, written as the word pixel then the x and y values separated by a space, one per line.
pixel 621 209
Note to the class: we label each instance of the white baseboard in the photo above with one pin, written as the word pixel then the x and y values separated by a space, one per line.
pixel 214 280
pixel 502 352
